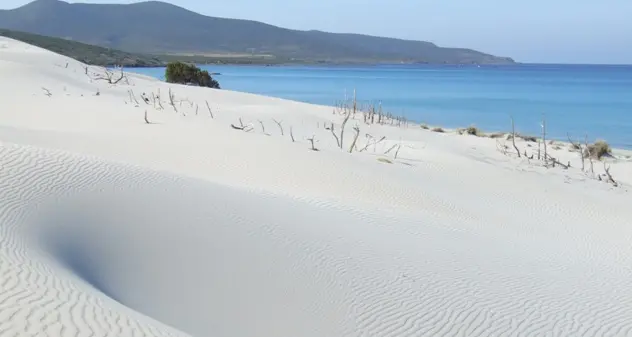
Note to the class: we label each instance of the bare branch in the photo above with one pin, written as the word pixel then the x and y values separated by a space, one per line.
pixel 245 128
pixel 312 140
pixel 263 128
pixel 578 146
pixel 397 152
pixel 47 92
pixel 292 135
pixel 513 137
pixel 391 149
pixel 610 178
pixel 590 157
pixel 333 132
pixel 146 119
pixel 132 96
pixel 280 126
pixel 209 110
pixel 171 97
pixel 355 138
pixel 374 143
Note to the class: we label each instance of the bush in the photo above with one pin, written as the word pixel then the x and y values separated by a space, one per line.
pixel 182 73
pixel 470 130
pixel 497 135
pixel 440 130
pixel 597 150
pixel 424 126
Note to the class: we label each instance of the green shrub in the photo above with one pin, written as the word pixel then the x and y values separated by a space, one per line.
pixel 183 73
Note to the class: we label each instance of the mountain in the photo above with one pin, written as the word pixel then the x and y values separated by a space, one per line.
pixel 161 28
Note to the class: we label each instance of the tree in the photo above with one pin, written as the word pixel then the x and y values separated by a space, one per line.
pixel 183 73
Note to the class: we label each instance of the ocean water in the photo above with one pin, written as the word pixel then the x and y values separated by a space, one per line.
pixel 579 100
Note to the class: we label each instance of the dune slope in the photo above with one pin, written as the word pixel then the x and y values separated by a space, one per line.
pixel 110 226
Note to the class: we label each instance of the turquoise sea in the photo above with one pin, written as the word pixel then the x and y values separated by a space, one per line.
pixel 593 100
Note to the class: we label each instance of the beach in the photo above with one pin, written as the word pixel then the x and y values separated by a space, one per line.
pixel 127 212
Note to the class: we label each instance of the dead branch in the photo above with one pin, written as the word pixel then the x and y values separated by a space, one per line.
pixel 242 127
pixel 355 138
pixel 263 128
pixel 280 126
pixel 555 161
pixel 132 96
pixel 397 152
pixel 347 116
pixel 209 110
pixel 513 138
pixel 171 97
pixel 109 76
pixel 391 149
pixel 333 132
pixel 47 92
pixel 544 136
pixel 610 178
pixel 196 108
pixel 374 143
pixel 312 140
pixel 292 135
pixel 578 145
pixel 590 156
pixel 146 119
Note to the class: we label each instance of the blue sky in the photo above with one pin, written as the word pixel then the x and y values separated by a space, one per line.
pixel 551 31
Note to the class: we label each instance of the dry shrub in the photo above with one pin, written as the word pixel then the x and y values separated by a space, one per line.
pixel 384 160
pixel 472 131
pixel 496 135
pixel 597 150
pixel 424 126
pixel 526 138
pixel 439 130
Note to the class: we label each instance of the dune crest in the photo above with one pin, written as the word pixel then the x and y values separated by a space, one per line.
pixel 184 226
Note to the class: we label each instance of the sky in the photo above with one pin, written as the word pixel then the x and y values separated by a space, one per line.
pixel 538 31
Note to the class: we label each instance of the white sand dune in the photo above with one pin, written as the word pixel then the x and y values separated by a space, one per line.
pixel 185 227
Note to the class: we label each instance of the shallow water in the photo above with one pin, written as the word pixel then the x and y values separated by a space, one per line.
pixel 591 100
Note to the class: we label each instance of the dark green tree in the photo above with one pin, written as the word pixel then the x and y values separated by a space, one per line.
pixel 183 73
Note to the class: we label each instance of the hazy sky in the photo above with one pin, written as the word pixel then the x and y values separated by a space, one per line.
pixel 565 31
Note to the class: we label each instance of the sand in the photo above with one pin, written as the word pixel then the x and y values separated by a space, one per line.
pixel 110 226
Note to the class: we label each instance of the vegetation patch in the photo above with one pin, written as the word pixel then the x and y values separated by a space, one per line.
pixel 439 130
pixel 384 160
pixel 597 150
pixel 470 130
pixel 183 73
